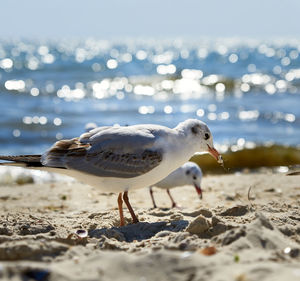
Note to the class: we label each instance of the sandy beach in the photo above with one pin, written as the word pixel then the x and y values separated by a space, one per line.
pixel 229 235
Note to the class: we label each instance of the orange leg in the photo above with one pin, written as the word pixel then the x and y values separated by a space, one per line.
pixel 125 197
pixel 152 197
pixel 173 202
pixel 120 203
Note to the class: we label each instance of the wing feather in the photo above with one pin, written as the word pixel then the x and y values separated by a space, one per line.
pixel 122 152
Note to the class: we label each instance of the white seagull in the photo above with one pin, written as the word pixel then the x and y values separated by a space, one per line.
pixel 119 159
pixel 188 174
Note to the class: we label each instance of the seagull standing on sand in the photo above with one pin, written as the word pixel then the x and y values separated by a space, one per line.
pixel 119 159
pixel 188 174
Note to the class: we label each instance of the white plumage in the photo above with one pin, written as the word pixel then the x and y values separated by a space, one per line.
pixel 188 174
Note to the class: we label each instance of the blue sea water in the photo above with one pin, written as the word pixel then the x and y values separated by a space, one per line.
pixel 248 92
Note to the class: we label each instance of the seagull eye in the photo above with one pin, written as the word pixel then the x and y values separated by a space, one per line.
pixel 194 177
pixel 206 136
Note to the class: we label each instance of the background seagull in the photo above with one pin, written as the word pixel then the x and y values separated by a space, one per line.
pixel 90 126
pixel 117 159
pixel 188 174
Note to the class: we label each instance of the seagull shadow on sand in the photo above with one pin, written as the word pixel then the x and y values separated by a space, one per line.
pixel 139 231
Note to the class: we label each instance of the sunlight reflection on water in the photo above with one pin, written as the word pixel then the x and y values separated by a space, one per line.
pixel 239 87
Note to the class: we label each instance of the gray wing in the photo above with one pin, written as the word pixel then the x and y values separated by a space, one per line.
pixel 122 152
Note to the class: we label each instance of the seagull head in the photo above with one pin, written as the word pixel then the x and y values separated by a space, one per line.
pixel 199 137
pixel 194 176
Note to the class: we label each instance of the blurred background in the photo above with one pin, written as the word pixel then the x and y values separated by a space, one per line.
pixel 235 65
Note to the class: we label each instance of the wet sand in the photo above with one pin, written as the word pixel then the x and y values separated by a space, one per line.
pixel 229 235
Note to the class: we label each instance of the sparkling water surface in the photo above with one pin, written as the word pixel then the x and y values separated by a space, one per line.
pixel 246 91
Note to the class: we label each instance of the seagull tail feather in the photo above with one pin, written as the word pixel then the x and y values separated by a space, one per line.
pixel 32 162
pixel 22 160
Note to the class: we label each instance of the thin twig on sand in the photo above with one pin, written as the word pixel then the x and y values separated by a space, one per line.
pixel 249 198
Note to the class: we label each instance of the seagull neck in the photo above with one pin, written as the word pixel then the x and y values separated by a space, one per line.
pixel 182 147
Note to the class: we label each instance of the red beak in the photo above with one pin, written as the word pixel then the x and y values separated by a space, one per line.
pixel 214 153
pixel 199 190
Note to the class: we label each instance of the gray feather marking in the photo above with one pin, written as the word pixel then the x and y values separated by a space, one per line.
pixel 109 164
pixel 121 152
